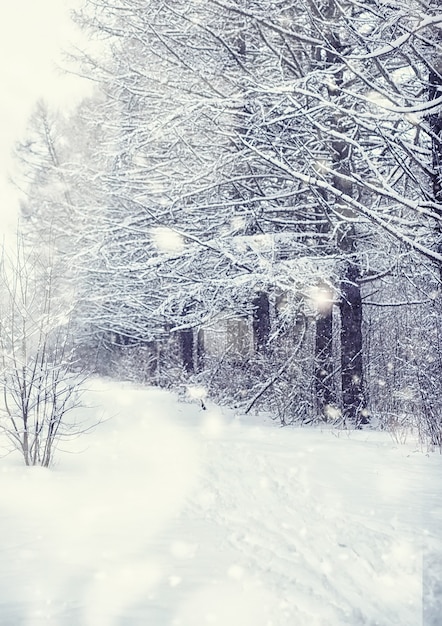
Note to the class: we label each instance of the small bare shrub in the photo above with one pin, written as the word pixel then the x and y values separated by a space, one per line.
pixel 38 377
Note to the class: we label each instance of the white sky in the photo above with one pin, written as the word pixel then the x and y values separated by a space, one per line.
pixel 32 35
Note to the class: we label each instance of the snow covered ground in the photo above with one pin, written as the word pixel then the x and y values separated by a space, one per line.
pixel 167 515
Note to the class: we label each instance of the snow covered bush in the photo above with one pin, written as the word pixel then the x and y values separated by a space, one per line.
pixel 38 377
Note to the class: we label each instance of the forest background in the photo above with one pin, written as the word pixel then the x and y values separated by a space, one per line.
pixel 247 202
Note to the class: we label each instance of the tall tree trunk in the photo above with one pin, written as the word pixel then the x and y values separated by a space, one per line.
pixel 261 321
pixel 435 122
pixel 353 403
pixel 353 400
pixel 187 354
pixel 325 387
pixel 324 379
pixel 352 375
pixel 200 351
pixel 430 382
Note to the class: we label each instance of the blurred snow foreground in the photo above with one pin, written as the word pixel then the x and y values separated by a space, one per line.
pixel 168 515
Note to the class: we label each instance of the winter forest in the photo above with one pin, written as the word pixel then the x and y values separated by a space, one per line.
pixel 246 212
pixel 251 201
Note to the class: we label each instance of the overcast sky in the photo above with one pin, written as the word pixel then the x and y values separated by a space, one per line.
pixel 33 34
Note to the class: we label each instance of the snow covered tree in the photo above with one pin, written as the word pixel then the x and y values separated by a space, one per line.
pixel 59 160
pixel 262 148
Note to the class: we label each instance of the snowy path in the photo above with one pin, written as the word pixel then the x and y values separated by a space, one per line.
pixel 334 529
pixel 177 517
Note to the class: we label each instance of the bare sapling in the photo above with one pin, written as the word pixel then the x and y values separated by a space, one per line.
pixel 39 381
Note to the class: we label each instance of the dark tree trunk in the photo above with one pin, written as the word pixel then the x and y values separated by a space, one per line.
pixel 435 122
pixel 261 321
pixel 353 401
pixel 187 355
pixel 324 370
pixel 353 404
pixel 324 381
pixel 200 351
pixel 430 378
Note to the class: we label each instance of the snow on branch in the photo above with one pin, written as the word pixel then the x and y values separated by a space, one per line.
pixel 433 20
